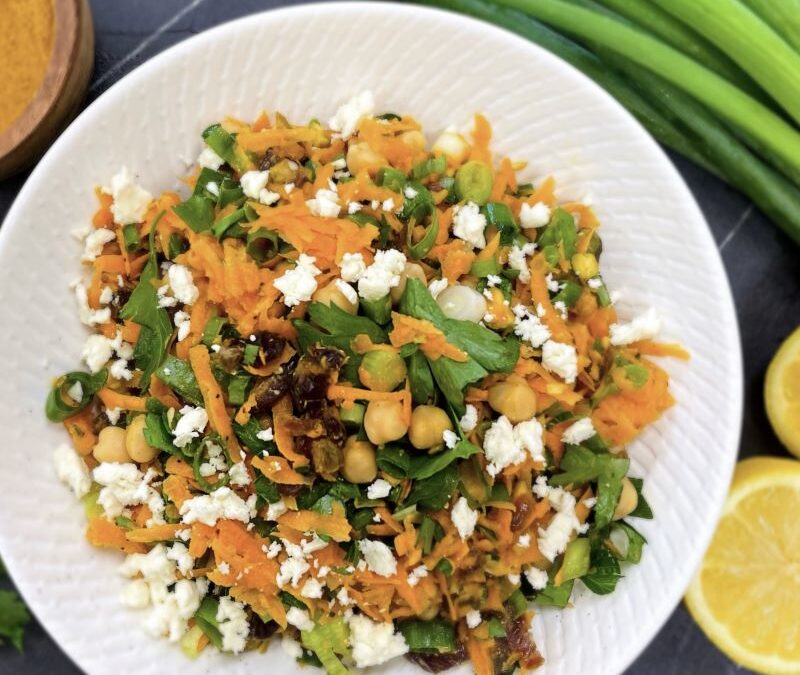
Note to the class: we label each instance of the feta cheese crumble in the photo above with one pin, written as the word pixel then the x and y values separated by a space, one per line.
pixel 325 204
pixel 416 574
pixel 464 518
pixel 233 624
pixel 72 470
pixel 130 201
pixel 505 445
pixel 469 224
pixel 529 327
pixel 580 431
pixel 553 540
pixel 536 578
pixel 209 159
pixel 382 275
pixel 347 117
pixel 374 643
pixel 352 267
pixel 517 260
pixel 123 485
pixel 265 435
pixel 379 489
pixel 532 216
pixel 470 418
pixel 189 426
pixel 561 359
pixel 208 509
pixel 473 619
pixel 450 438
pixel 299 618
pixel 379 557
pixel 644 327
pixel 299 283
pixel 94 243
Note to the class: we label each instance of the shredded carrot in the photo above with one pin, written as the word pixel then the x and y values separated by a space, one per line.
pixel 335 526
pixel 105 534
pixel 113 399
pixel 212 396
pixel 432 342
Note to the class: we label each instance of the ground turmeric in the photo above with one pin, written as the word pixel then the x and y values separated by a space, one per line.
pixel 26 43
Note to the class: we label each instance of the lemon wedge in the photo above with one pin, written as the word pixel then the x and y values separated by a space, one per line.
pixel 746 593
pixel 782 393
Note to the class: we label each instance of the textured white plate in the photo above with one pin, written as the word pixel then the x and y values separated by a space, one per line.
pixel 441 68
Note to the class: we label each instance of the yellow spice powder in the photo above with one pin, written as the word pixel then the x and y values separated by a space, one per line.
pixel 26 43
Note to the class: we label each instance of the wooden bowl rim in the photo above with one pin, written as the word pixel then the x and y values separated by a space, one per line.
pixel 66 42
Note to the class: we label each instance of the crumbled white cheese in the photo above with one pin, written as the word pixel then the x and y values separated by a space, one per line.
pixel 580 431
pixel 382 275
pixel 106 295
pixel 450 438
pixel 409 192
pixel 135 595
pixel 473 619
pixel 183 323
pixel 182 284
pixel 416 574
pixel 524 541
pixel 71 470
pixel 529 327
pixel 553 540
pixel 93 245
pixel 536 578
pixel 119 370
pixel 436 287
pixel 379 557
pixel 224 568
pixel 469 224
pixel 299 619
pixel 561 359
pixel 189 426
pixel 87 315
pixel 517 260
pixel 179 554
pixel 379 489
pixel 291 647
pixel 354 207
pixel 130 201
pixel 374 643
pixel 276 510
pixel 311 589
pixel 325 204
pixel 299 283
pixel 123 485
pixel 552 285
pixel 561 307
pixel 388 205
pixel 343 598
pixel 113 414
pixel 75 392
pixel 644 327
pixel 506 445
pixel 493 280
pixel 239 475
pixel 209 159
pixel 470 418
pixel 253 182
pixel 346 119
pixel 233 624
pixel 537 215
pixel 352 266
pixel 595 283
pixel 208 509
pixel 464 518
pixel 265 434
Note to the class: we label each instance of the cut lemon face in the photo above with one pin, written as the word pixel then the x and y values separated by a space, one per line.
pixel 782 393
pixel 746 595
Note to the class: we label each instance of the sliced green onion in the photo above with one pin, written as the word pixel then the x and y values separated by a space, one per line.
pixel 429 167
pixel 57 408
pixel 391 179
pixel 782 15
pixel 380 310
pixel 576 559
pixel 222 225
pixel 130 235
pixel 212 329
pixel 238 387
pixel 250 354
pixel 433 637
pixel 474 182
pixel 224 144
pixel 500 216
pixel 262 244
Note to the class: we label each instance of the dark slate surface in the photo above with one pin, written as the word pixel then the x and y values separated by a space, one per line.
pixel 762 266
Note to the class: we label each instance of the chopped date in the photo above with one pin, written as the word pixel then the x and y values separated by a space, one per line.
pixel 268 390
pixel 271 345
pixel 436 663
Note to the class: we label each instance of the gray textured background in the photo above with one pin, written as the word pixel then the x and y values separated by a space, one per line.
pixel 762 266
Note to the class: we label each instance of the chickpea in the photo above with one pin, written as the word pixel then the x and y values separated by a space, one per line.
pixel 514 399
pixel 411 271
pixel 428 423
pixel 382 370
pixel 361 156
pixel 137 446
pixel 628 500
pixel 585 265
pixel 413 139
pixel 463 303
pixel 383 422
pixel 333 294
pixel 452 145
pixel 359 461
pixel 110 446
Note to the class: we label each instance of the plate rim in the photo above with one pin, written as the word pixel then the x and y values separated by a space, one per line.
pixel 665 167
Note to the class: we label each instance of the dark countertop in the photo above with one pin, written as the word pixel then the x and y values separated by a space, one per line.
pixel 762 265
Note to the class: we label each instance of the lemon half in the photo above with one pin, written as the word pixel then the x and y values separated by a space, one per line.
pixel 782 393
pixel 746 594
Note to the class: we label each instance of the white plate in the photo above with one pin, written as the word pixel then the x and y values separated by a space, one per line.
pixel 440 67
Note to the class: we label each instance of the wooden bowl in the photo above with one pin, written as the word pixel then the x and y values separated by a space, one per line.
pixel 61 92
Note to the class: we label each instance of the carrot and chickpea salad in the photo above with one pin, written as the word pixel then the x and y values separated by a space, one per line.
pixel 367 396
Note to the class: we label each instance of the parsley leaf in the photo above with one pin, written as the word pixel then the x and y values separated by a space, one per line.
pixel 604 573
pixel 13 616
